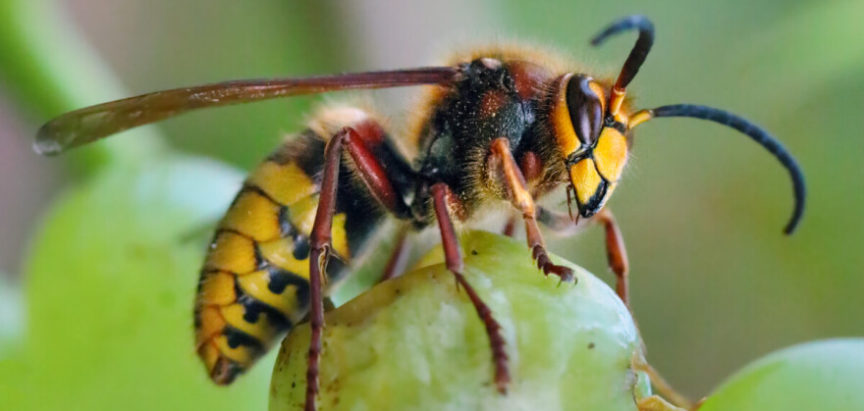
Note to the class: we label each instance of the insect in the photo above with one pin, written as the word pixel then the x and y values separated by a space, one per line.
pixel 499 126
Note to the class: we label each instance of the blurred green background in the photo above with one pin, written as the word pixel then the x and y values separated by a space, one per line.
pixel 714 282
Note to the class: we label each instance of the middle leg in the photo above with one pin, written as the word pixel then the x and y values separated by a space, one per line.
pixel 616 254
pixel 441 196
pixel 398 257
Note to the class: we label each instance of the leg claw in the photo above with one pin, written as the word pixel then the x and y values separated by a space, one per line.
pixel 545 263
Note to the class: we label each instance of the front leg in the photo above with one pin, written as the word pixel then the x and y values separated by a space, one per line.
pixel 616 252
pixel 502 166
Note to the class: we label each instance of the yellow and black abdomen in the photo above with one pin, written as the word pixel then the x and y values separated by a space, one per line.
pixel 255 281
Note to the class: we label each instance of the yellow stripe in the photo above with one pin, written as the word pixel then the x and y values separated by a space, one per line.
pixel 211 322
pixel 209 354
pixel 339 237
pixel 286 183
pixel 242 355
pixel 565 136
pixel 611 153
pixel 639 117
pixel 254 215
pixel 217 288
pixel 303 212
pixel 585 179
pixel 280 253
pixel 257 284
pixel 231 252
pixel 303 219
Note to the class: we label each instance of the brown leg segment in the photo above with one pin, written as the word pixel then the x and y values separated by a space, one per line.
pixel 453 257
pixel 616 253
pixel 320 243
pixel 502 160
pixel 379 184
pixel 510 227
pixel 399 256
pixel 531 168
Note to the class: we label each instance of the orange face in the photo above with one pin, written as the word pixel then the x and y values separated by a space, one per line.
pixel 594 145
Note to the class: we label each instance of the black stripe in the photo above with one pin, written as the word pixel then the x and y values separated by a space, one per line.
pixel 286 228
pixel 237 338
pixel 254 308
pixel 280 279
pixel 201 276
pixel 593 205
pixel 310 156
pixel 208 271
pixel 255 188
pixel 221 230
pixel 617 125
pixel 306 150
pixel 301 247
pixel 260 262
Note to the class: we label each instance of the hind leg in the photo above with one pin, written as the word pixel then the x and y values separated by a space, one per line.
pixel 360 142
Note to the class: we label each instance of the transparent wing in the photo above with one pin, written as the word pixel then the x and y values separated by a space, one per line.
pixel 89 124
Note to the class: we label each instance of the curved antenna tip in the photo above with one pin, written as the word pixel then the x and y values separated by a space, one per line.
pixel 625 23
pixel 800 195
pixel 45 145
pixel 757 134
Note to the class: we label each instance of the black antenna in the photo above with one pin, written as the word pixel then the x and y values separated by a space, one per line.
pixel 755 132
pixel 640 49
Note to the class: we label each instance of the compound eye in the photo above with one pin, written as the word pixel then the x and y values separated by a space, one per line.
pixel 585 103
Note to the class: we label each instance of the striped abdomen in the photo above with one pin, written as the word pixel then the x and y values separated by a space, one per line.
pixel 255 280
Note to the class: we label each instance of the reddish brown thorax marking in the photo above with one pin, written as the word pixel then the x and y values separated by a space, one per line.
pixel 370 132
pixel 528 78
pixel 491 103
pixel 532 167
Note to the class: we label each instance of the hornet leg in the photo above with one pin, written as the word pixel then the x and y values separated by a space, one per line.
pixel 398 257
pixel 616 252
pixel 372 173
pixel 504 167
pixel 441 196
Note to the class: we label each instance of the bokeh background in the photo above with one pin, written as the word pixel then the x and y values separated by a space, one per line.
pixel 714 282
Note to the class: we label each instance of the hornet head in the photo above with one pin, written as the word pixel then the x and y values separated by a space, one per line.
pixel 592 141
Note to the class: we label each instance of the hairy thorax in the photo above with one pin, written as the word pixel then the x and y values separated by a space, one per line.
pixel 494 98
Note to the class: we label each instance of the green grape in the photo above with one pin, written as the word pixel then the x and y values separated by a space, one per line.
pixel 416 342
pixel 822 375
